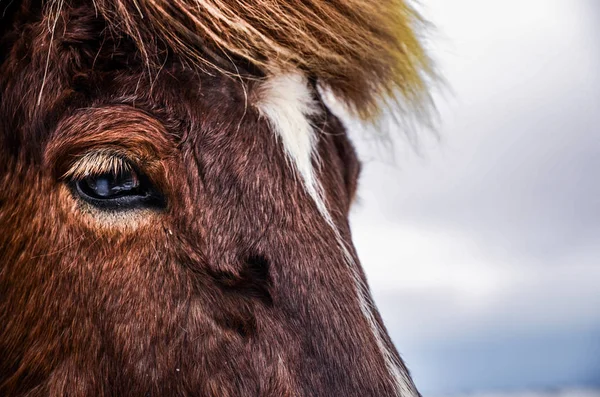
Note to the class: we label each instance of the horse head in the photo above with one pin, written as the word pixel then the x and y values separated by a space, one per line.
pixel 174 195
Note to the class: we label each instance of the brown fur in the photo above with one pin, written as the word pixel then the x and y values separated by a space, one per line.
pixel 235 288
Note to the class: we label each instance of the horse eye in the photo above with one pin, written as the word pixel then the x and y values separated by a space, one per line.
pixel 117 191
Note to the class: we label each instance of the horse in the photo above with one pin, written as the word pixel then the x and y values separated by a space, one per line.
pixel 175 191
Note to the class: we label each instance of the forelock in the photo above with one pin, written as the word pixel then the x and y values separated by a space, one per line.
pixel 366 52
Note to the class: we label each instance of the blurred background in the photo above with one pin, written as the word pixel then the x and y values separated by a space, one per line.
pixel 482 246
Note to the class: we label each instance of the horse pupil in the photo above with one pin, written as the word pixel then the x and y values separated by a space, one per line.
pixel 102 186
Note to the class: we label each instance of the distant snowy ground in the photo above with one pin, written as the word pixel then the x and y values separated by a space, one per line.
pixel 552 393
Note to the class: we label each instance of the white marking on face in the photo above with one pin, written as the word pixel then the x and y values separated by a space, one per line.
pixel 287 103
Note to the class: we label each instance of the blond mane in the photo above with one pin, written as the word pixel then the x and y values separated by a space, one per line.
pixel 366 52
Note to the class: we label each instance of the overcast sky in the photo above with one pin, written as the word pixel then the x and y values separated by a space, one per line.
pixel 483 253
